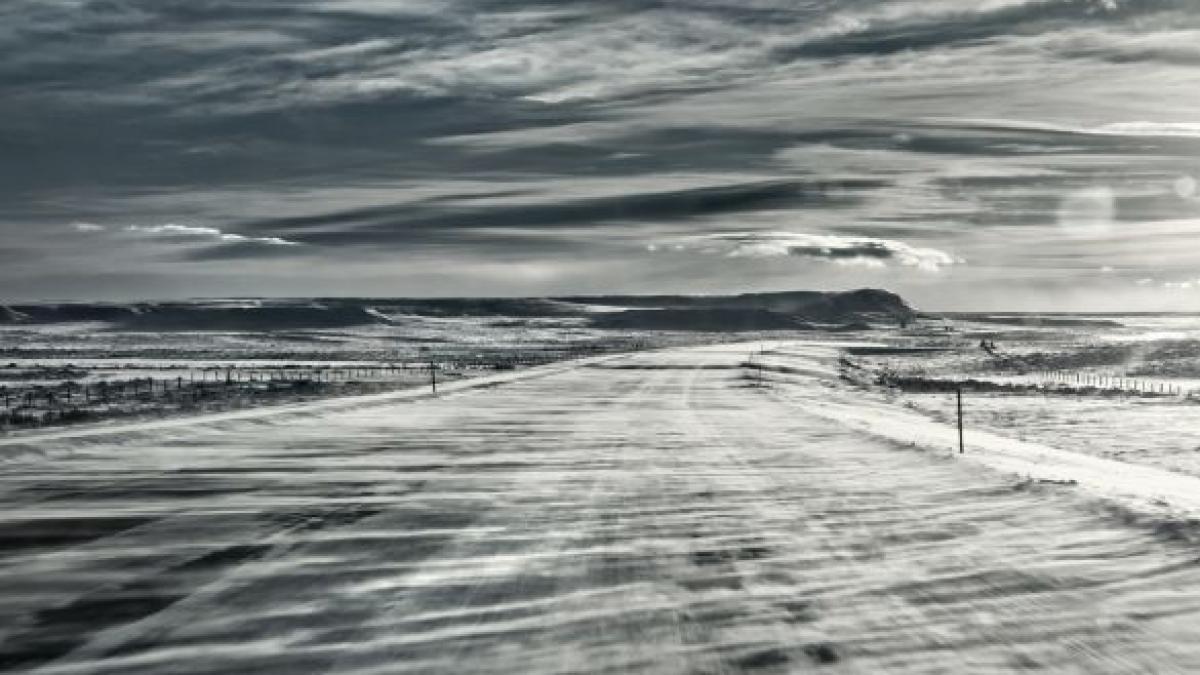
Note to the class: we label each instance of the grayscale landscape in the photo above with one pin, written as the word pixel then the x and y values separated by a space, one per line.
pixel 572 337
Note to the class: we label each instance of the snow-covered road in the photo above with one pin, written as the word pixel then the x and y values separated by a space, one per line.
pixel 649 513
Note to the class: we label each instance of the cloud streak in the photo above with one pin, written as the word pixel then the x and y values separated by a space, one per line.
pixel 192 233
pixel 841 250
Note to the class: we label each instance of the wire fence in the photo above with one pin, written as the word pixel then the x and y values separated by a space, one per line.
pixel 1062 382
pixel 1079 380
pixel 199 388
pixel 23 405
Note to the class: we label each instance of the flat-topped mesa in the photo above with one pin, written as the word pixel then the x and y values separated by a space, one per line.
pixel 834 304
pixel 858 305
pixel 704 319
pixel 791 310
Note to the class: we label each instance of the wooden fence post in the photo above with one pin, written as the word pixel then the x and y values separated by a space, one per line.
pixel 961 446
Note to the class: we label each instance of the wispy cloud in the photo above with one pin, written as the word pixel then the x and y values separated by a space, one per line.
pixel 179 242
pixel 1135 129
pixel 866 251
pixel 175 232
pixel 1185 285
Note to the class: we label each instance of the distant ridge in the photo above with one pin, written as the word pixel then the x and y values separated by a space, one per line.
pixel 791 310
pixel 713 320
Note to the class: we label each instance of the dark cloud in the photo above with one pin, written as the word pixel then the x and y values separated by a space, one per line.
pixel 970 26
pixel 867 249
pixel 240 250
pixel 13 255
pixel 856 250
pixel 408 223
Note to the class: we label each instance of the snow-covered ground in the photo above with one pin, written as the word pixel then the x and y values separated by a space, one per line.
pixel 656 512
pixel 1163 433
pixel 1134 452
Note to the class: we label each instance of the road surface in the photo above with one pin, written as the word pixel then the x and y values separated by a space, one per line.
pixel 653 513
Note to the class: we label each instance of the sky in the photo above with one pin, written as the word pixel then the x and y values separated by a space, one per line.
pixel 984 155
